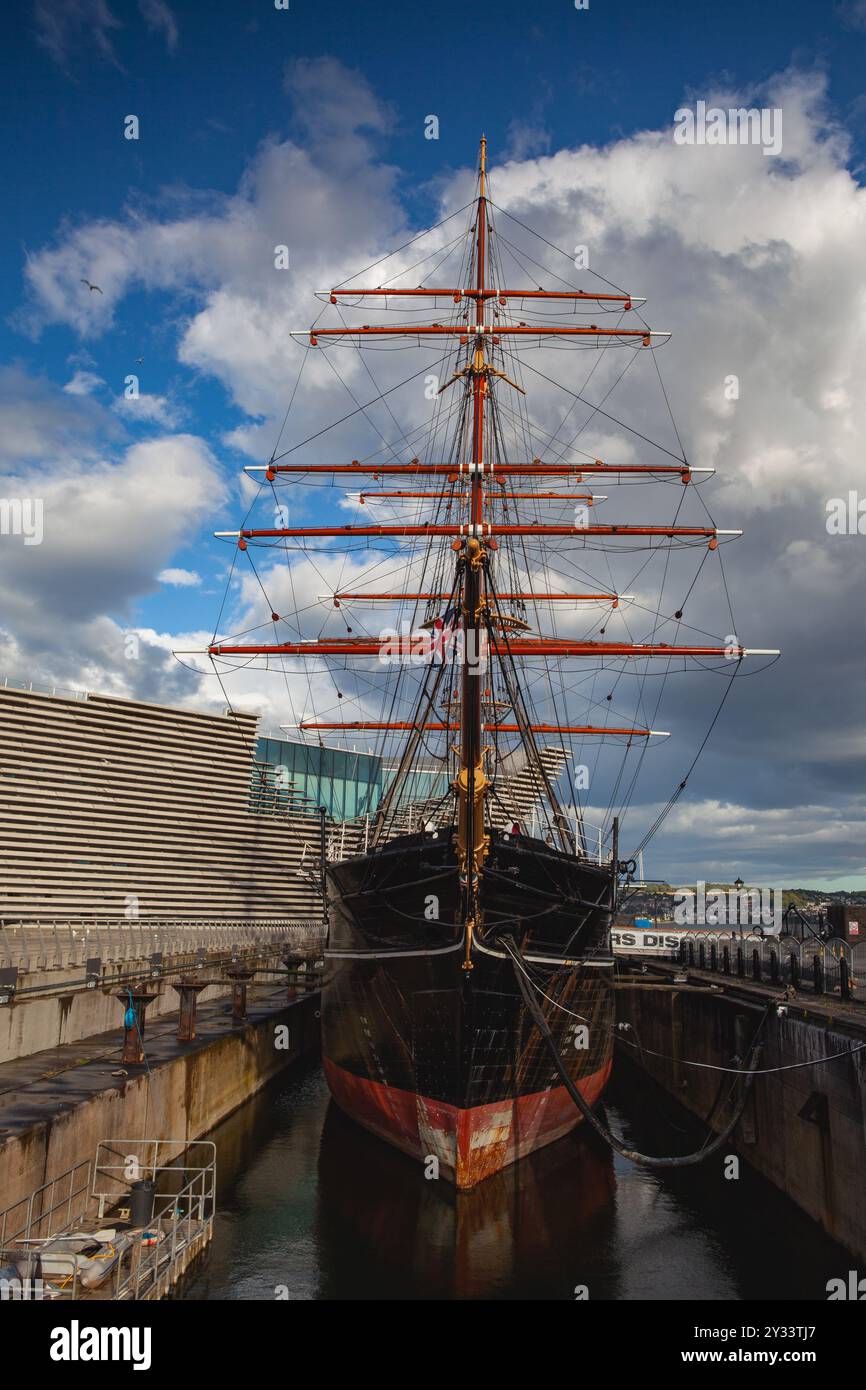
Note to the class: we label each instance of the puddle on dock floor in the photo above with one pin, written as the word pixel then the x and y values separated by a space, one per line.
pixel 309 1202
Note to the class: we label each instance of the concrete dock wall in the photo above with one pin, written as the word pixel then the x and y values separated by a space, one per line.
pixel 183 1095
pixel 67 1013
pixel 803 1128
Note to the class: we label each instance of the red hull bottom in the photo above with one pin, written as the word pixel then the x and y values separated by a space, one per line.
pixel 470 1145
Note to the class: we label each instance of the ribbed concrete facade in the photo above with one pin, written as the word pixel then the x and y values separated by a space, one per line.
pixel 110 806
pixel 115 809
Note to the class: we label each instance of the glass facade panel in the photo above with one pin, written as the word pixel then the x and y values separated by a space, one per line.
pixel 347 784
pixel 304 776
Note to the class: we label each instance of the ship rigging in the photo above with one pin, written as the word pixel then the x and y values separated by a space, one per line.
pixel 481 556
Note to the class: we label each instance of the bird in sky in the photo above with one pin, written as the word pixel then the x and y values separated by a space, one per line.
pixel 91 287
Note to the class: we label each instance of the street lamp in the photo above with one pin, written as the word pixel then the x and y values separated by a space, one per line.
pixel 738 884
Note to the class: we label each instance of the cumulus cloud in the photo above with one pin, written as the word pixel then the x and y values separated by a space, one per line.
pixel 527 137
pixel 180 578
pixel 109 525
pixel 83 383
pixel 753 262
pixel 819 843
pixel 149 409
pixel 37 421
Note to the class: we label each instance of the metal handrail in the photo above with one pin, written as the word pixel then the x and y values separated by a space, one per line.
pixel 84 1191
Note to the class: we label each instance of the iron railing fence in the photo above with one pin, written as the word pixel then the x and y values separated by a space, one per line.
pixel 833 966
pixel 48 945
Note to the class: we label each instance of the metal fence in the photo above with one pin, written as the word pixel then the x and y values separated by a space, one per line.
pixel 825 967
pixel 61 945
pixel 42 1236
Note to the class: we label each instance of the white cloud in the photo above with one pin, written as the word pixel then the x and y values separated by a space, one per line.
pixel 158 17
pixel 749 259
pixel 73 29
pixel 183 579
pixel 110 527
pixel 37 421
pixel 75 25
pixel 83 383
pixel 774 845
pixel 853 14
pixel 224 250
pixel 527 136
pixel 148 409
pixel 753 262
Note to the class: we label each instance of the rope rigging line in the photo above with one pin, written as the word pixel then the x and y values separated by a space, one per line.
pixel 540 691
pixel 710 1147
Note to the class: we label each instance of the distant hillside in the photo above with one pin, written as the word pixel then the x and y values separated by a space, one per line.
pixel 659 899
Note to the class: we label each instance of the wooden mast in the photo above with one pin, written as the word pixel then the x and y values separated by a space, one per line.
pixel 471 783
pixel 473 539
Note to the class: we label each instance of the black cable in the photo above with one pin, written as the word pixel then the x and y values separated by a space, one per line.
pixel 586 1110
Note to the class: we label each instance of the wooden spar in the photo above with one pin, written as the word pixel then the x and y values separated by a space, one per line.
pixel 456 470
pixel 478 530
pixel 588 497
pixel 440 726
pixel 472 613
pixel 627 300
pixel 430 646
pixel 464 332
pixel 441 597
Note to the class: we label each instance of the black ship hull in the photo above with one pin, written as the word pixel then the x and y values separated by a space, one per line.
pixel 445 1062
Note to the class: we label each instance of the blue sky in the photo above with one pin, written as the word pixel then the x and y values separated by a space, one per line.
pixel 253 118
pixel 206 81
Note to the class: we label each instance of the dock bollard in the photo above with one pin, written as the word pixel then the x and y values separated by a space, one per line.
pixel 189 990
pixel 294 984
pixel 135 1002
pixel 240 977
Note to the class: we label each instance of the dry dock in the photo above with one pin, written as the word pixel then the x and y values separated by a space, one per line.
pixel 57 1106
pixel 804 1124
pixel 194 1036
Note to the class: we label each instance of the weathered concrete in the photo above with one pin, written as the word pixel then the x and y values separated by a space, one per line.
pixel 803 1128
pixel 56 1106
pixel 64 1010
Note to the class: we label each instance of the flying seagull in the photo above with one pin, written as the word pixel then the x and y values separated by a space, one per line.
pixel 91 287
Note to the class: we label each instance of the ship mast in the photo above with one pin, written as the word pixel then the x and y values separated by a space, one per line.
pixel 488 634
pixel 472 782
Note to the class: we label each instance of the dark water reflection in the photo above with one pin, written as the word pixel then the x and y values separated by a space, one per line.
pixel 309 1202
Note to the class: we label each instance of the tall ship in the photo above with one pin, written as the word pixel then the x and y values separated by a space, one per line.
pixel 471 630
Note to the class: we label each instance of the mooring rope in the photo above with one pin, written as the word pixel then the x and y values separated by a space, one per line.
pixel 586 1110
